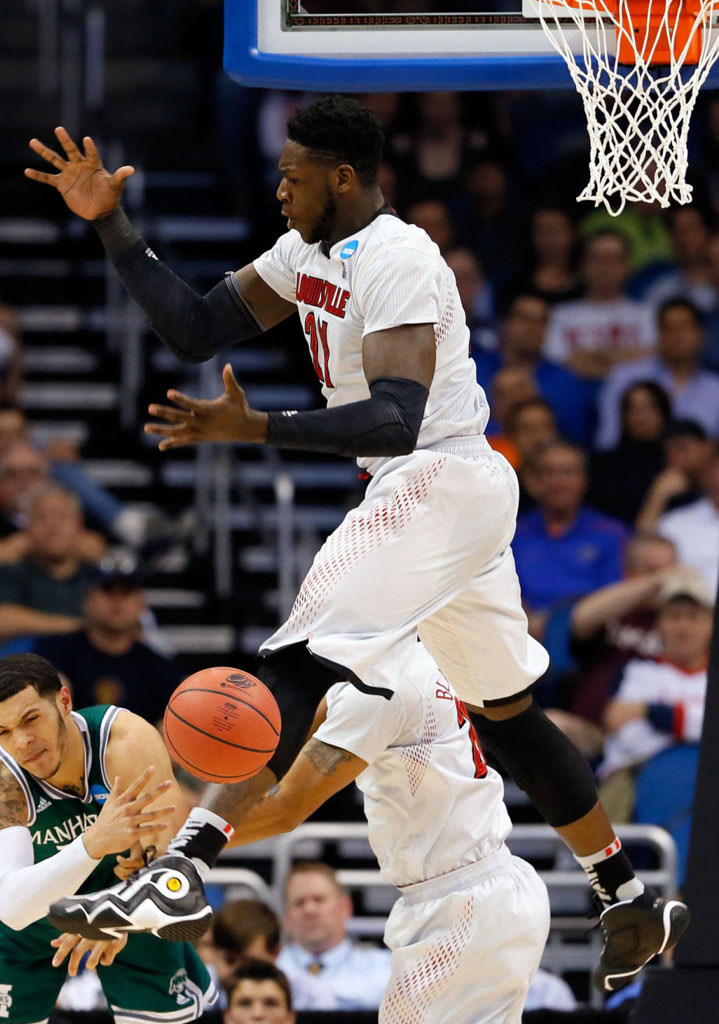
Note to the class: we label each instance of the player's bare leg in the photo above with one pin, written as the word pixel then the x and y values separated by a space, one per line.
pixel 637 923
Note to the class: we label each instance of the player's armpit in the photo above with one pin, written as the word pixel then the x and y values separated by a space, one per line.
pixel 319 771
pixel 267 307
pixel 13 804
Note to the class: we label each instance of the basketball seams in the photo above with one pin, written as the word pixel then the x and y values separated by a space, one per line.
pixel 202 773
pixel 219 739
pixel 230 696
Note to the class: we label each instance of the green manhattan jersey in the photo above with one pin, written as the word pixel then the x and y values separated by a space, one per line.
pixel 151 979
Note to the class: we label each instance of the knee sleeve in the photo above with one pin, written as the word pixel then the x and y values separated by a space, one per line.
pixel 298 683
pixel 542 761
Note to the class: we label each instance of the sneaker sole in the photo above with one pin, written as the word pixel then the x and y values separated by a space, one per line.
pixel 178 931
pixel 676 919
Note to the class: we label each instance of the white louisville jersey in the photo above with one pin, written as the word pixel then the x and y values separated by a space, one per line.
pixel 386 275
pixel 431 802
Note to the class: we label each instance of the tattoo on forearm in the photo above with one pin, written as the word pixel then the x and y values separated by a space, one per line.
pixel 325 759
pixel 13 805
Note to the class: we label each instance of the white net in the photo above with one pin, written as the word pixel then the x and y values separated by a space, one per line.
pixel 638 68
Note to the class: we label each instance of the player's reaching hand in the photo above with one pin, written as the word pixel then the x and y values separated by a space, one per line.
pixel 123 819
pixel 102 952
pixel 227 418
pixel 87 187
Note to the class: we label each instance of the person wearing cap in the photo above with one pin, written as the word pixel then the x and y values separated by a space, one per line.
pixel 105 661
pixel 660 701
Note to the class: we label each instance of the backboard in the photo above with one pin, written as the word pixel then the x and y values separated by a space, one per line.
pixel 390 45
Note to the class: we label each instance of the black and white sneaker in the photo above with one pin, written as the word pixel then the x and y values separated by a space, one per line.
pixel 167 898
pixel 635 931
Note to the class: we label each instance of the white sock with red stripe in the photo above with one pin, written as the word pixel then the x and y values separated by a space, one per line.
pixel 202 838
pixel 610 874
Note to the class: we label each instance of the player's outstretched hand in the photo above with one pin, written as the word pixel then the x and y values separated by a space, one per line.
pixel 87 187
pixel 124 818
pixel 102 952
pixel 227 418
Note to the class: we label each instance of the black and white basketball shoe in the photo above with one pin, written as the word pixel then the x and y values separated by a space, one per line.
pixel 635 931
pixel 167 898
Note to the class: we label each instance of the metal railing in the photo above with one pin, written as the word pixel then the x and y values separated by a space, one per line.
pixel 572 944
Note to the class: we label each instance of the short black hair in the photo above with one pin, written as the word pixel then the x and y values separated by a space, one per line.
pixel 259 970
pixel 661 399
pixel 17 671
pixel 596 236
pixel 339 129
pixel 680 303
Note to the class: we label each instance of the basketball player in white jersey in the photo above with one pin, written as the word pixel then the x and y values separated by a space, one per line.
pixel 426 552
pixel 468 931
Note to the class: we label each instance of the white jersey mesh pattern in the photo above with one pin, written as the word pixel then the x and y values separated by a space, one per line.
pixel 417 757
pixel 361 533
pixel 411 994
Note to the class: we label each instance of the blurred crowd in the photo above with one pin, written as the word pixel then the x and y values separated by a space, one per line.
pixel 596 340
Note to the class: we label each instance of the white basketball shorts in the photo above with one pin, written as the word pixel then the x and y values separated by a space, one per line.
pixel 466 946
pixel 426 552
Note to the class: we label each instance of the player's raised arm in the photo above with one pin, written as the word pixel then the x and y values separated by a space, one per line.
pixel 193 327
pixel 399 366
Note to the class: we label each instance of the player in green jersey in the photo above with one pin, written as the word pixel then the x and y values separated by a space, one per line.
pixel 75 793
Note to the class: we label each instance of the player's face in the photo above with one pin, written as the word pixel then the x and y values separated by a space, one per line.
pixel 316 911
pixel 33 730
pixel 258 1002
pixel 306 194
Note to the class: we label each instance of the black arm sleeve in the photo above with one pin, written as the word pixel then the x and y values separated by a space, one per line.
pixel 386 424
pixel 193 327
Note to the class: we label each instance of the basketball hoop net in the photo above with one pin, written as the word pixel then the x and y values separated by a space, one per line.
pixel 641 66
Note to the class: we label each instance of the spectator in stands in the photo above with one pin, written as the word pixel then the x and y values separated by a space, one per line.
pixel 511 386
pixel 139 528
pixel 476 296
pixel 317 909
pixel 106 662
pixel 259 994
pixel 43 593
pixel 710 352
pixel 659 701
pixel 603 328
pixel 694 392
pixel 22 470
pixel 590 640
pixel 687 452
pixel 248 928
pixel 522 345
pixel 694 528
pixel 433 217
pixel 551 273
pixel 691 278
pixel 531 426
pixel 643 225
pixel 622 476
pixel 564 548
pixel 487 215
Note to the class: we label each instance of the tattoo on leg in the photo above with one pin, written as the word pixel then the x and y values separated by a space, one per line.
pixel 325 759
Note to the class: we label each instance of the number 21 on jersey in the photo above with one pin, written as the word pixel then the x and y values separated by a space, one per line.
pixel 316 331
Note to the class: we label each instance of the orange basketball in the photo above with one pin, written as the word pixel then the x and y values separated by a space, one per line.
pixel 222 724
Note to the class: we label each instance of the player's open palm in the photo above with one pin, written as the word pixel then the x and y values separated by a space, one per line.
pixel 227 418
pixel 125 817
pixel 87 187
pixel 101 952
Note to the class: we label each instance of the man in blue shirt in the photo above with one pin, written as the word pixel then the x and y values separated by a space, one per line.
pixel 317 909
pixel 571 398
pixel 564 549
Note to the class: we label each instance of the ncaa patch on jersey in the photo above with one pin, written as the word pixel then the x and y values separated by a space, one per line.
pixel 99 793
pixel 348 249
